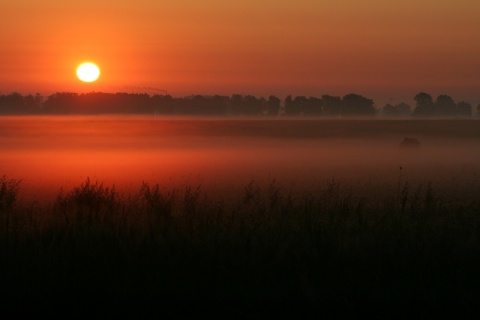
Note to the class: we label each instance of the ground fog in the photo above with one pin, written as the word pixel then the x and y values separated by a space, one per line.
pixel 48 153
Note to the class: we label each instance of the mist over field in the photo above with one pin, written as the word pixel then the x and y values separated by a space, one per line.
pixel 50 152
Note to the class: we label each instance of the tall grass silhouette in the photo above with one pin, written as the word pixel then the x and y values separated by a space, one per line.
pixel 270 249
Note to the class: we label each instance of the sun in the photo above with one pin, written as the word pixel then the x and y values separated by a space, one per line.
pixel 88 72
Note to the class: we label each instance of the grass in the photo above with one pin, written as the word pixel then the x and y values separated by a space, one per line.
pixel 268 251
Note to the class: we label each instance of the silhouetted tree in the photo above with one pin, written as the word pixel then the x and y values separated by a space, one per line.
pixel 401 109
pixel 12 104
pixel 33 103
pixel 252 105
pixel 142 103
pixel 193 105
pixel 355 104
pixel 163 104
pixel 297 106
pixel 273 106
pixel 464 109
pixel 246 105
pixel 290 106
pixel 218 105
pixel 236 101
pixel 445 106
pixel 424 105
pixel 331 105
pixel 62 102
pixel 389 109
pixel 314 106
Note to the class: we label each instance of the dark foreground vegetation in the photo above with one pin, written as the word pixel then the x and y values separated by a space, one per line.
pixel 176 252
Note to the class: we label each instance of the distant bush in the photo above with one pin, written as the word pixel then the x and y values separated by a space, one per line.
pixel 409 143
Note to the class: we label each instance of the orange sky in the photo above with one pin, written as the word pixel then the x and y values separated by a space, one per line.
pixel 378 48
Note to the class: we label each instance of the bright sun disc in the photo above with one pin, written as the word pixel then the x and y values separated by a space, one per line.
pixel 88 72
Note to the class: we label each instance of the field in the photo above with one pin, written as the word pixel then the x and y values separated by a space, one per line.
pixel 240 218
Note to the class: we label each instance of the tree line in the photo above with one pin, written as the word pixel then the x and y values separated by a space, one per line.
pixel 234 105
